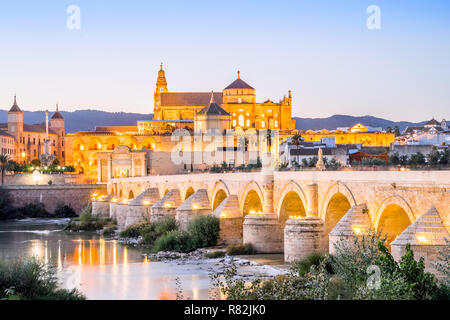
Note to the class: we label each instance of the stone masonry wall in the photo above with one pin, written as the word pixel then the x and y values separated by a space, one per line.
pixel 76 196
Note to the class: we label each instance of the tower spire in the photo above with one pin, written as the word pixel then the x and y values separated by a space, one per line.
pixel 212 98
pixel 239 74
pixel 57 107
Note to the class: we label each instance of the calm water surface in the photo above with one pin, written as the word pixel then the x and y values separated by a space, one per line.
pixel 101 269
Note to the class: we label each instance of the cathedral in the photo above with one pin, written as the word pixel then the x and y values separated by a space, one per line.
pixel 27 140
pixel 238 99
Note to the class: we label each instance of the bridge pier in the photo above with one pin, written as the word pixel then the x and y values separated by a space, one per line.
pixel 302 237
pixel 426 236
pixel 139 209
pixel 231 221
pixel 264 230
pixel 195 206
pixel 353 223
pixel 166 206
pixel 100 207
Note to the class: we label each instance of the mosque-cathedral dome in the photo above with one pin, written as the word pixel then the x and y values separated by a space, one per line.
pixel 239 84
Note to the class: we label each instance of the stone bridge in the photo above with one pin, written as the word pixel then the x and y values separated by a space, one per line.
pixel 295 212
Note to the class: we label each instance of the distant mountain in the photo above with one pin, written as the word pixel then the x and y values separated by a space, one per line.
pixel 84 120
pixel 338 120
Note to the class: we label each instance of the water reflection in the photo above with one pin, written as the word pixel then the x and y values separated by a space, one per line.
pixel 101 269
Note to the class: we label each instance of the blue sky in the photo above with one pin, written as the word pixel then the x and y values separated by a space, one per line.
pixel 321 50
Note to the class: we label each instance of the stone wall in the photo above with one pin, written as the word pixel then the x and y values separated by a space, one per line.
pixel 28 179
pixel 76 196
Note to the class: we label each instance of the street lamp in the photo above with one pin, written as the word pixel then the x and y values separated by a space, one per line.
pixel 36 176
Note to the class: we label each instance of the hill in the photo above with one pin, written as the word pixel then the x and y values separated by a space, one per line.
pixel 83 120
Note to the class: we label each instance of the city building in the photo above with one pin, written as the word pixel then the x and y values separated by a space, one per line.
pixel 357 134
pixel 431 133
pixel 7 144
pixel 29 138
pixel 238 99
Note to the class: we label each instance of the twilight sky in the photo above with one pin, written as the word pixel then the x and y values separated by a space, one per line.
pixel 321 50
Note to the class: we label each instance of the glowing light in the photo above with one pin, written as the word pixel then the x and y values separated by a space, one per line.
pixel 357 230
pixel 223 215
pixel 23 154
pixel 125 201
pixel 195 207
pixel 146 203
pixel 81 148
pixel 422 239
pixel 296 217
pixel 114 200
pixel 252 212
pixel 36 176
pixel 166 205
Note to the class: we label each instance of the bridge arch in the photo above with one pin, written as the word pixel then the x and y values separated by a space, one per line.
pixel 292 202
pixel 189 192
pixel 337 201
pixel 219 193
pixel 252 198
pixel 393 216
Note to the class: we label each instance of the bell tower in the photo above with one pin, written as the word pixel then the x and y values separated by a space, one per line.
pixel 161 87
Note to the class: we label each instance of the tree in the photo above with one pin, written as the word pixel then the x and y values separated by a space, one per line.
pixel 389 129
pixel 296 140
pixel 397 131
pixel 434 156
pixel 3 165
pixel 417 159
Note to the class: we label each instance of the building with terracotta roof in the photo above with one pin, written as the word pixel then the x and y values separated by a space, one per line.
pixel 29 138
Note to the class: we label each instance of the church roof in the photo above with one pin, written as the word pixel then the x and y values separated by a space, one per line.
pixel 15 107
pixel 432 122
pixel 57 115
pixel 239 84
pixel 213 109
pixel 173 99
pixel 4 133
pixel 40 128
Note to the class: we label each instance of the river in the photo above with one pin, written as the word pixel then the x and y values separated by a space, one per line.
pixel 102 269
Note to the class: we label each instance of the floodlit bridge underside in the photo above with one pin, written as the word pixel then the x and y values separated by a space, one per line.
pixel 394 200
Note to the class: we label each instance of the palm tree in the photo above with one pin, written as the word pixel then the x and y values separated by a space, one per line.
pixel 3 164
pixel 296 140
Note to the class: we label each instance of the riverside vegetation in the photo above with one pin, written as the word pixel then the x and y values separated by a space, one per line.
pixel 31 279
pixel 166 236
pixel 88 222
pixel 347 274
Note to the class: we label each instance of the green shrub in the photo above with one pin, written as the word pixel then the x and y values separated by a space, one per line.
pixel 180 241
pixel 204 231
pixel 166 225
pixel 240 249
pixel 87 222
pixel 86 214
pixel 313 259
pixel 135 230
pixel 215 254
pixel 109 231
pixel 32 279
pixel 64 211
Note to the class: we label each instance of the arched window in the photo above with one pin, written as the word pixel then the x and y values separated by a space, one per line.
pixel 241 120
